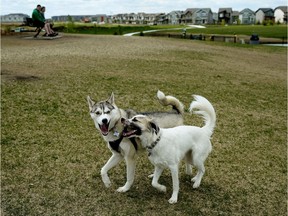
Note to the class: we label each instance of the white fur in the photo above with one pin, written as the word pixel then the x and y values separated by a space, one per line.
pixel 127 150
pixel 183 142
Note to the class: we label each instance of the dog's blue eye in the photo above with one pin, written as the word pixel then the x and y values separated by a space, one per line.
pixel 107 112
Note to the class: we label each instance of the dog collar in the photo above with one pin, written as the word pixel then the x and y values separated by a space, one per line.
pixel 149 148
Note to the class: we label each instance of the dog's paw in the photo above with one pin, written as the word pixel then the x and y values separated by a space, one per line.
pixel 151 176
pixel 172 200
pixel 122 189
pixel 106 181
pixel 196 185
pixel 196 182
pixel 107 184
pixel 161 188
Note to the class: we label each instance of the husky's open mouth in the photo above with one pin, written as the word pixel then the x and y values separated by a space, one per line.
pixel 104 129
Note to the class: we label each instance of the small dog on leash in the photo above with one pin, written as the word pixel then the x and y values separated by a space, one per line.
pixel 107 119
pixel 166 147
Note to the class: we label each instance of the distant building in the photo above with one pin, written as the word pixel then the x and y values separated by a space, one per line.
pixel 264 14
pixel 15 17
pixel 225 15
pixel 174 17
pixel 247 16
pixel 235 17
pixel 99 18
pixel 197 16
pixel 280 14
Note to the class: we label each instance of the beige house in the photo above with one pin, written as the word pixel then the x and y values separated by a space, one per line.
pixel 280 14
pixel 264 14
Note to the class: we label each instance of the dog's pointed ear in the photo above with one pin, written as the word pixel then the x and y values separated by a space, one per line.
pixel 154 127
pixel 90 103
pixel 111 99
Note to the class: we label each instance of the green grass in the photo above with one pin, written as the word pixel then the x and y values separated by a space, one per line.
pixel 271 31
pixel 51 153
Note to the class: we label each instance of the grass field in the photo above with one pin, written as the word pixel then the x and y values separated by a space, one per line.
pixel 275 31
pixel 51 154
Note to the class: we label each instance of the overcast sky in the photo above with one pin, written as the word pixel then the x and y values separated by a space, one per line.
pixel 110 7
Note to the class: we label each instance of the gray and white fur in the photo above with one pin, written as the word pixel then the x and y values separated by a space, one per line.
pixel 107 119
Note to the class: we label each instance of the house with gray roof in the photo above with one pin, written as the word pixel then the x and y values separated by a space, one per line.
pixel 280 14
pixel 264 14
pixel 199 16
pixel 225 15
pixel 235 17
pixel 247 16
pixel 174 17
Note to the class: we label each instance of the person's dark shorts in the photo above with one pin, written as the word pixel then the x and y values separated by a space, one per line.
pixel 38 23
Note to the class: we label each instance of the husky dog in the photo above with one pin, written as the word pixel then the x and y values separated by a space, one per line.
pixel 107 119
pixel 166 147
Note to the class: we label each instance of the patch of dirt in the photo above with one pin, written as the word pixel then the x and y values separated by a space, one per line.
pixel 7 75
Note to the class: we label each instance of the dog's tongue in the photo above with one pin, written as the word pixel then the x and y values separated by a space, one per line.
pixel 128 133
pixel 104 129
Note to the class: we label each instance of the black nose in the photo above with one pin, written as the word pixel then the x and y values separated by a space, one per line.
pixel 104 121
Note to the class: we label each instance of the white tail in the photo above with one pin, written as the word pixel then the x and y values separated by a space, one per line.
pixel 204 107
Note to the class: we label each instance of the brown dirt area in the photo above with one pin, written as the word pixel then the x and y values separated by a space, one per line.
pixel 22 57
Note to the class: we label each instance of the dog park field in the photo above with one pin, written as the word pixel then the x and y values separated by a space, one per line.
pixel 51 153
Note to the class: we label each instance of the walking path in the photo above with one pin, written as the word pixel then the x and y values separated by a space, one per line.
pixel 156 30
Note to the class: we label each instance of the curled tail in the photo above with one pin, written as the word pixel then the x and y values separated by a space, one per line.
pixel 204 107
pixel 170 100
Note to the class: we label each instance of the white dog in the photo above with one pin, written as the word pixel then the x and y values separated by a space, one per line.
pixel 107 119
pixel 166 147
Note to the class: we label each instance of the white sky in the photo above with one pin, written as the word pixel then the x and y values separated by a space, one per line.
pixel 110 7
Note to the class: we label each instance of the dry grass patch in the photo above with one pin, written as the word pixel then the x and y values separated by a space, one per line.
pixel 52 154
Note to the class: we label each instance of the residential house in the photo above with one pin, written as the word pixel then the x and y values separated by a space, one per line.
pixel 161 18
pixel 225 15
pixel 150 18
pixel 198 16
pixel 140 18
pixel 264 14
pixel 66 18
pixel 132 18
pixel 204 16
pixel 235 17
pixel 280 14
pixel 247 16
pixel 186 17
pixel 13 18
pixel 99 18
pixel 174 17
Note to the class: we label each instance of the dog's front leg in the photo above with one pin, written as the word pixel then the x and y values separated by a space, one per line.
pixel 175 180
pixel 112 162
pixel 130 165
pixel 157 173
